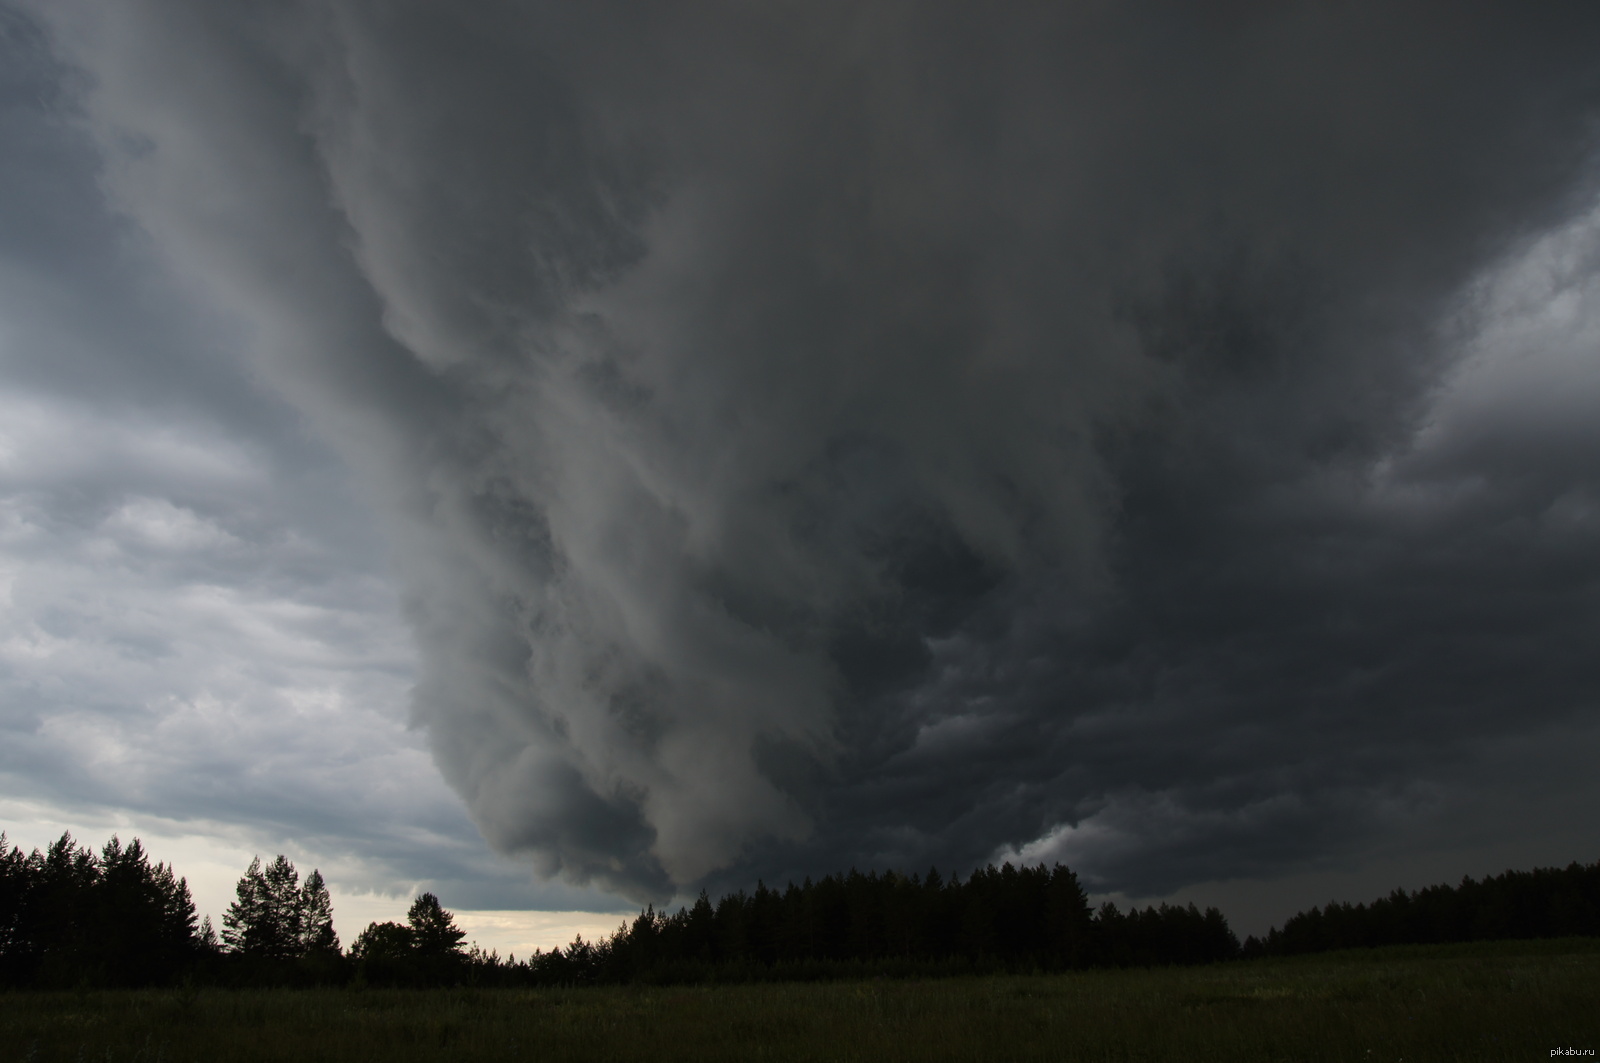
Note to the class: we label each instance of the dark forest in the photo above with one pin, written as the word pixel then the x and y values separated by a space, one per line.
pixel 73 916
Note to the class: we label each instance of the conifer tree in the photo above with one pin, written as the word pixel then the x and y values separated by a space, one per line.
pixel 275 918
pixel 62 881
pixel 242 921
pixel 16 896
pixel 69 915
pixel 14 885
pixel 140 926
pixel 209 942
pixel 317 936
pixel 433 930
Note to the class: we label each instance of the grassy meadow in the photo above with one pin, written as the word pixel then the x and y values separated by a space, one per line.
pixel 1480 1001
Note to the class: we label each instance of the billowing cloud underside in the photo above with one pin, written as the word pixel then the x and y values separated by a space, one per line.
pixel 821 434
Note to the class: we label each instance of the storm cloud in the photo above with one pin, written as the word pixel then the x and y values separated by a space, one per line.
pixel 1152 436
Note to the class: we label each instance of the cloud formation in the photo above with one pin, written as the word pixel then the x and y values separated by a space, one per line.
pixel 881 434
pixel 199 643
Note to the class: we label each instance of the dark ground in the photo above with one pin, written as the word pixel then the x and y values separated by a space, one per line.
pixel 1483 1001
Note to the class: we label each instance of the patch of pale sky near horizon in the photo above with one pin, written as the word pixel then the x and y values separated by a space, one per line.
pixel 211 856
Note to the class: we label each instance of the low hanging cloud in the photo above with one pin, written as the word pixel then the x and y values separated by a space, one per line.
pixel 890 434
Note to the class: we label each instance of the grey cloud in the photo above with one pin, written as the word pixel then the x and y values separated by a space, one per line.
pixel 197 633
pixel 888 434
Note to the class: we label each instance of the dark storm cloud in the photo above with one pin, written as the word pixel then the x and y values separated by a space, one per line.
pixel 197 635
pixel 885 434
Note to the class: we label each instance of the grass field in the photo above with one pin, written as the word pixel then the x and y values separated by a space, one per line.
pixel 1490 1001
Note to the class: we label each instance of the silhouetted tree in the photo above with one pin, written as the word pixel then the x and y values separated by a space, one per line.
pixel 261 922
pixel 382 941
pixel 68 915
pixel 1544 902
pixel 433 930
pixel 16 897
pixel 1018 918
pixel 426 951
pixel 210 944
pixel 383 954
pixel 142 923
pixel 315 922
pixel 274 918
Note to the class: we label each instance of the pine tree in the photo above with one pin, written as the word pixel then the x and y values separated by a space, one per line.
pixel 209 942
pixel 63 879
pixel 265 920
pixel 433 930
pixel 16 925
pixel 140 926
pixel 244 915
pixel 282 908
pixel 317 936
pixel 69 915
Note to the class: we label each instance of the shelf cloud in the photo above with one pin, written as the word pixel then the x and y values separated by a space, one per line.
pixel 814 435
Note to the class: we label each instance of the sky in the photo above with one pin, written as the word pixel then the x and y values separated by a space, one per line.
pixel 568 457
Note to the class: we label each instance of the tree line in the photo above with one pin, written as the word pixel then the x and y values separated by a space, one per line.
pixel 71 915
pixel 1542 903
pixel 999 918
